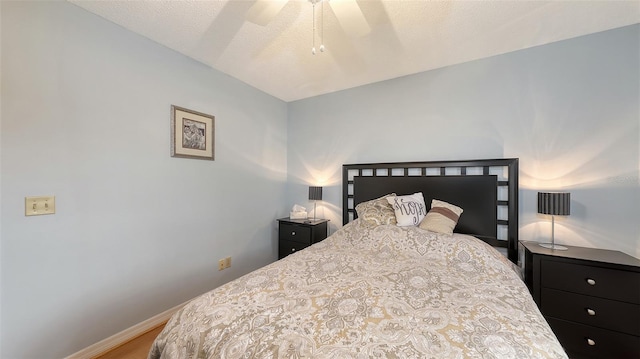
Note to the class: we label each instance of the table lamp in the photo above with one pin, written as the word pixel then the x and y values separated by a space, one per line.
pixel 555 204
pixel 315 194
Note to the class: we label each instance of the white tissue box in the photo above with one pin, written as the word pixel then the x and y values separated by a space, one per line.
pixel 298 215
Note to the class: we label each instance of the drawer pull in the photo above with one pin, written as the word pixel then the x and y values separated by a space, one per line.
pixel 293 249
pixel 591 311
pixel 591 281
pixel 293 233
pixel 591 342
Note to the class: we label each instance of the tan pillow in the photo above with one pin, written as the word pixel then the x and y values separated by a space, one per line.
pixel 442 217
pixel 377 211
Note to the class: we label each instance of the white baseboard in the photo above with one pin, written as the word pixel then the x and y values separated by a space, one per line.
pixel 126 335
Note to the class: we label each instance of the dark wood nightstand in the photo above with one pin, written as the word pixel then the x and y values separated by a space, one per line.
pixel 590 297
pixel 297 234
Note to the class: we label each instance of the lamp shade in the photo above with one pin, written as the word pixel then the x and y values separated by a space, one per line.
pixel 315 193
pixel 554 203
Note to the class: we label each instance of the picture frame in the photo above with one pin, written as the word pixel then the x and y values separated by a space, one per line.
pixel 192 134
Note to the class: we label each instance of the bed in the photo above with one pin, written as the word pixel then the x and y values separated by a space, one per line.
pixel 381 290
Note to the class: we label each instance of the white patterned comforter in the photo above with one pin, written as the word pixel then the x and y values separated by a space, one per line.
pixel 368 292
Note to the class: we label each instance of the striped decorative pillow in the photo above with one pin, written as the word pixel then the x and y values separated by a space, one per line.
pixel 442 217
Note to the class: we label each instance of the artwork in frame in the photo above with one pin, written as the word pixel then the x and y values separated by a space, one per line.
pixel 192 134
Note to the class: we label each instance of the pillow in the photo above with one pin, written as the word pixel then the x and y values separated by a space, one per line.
pixel 377 211
pixel 409 210
pixel 442 217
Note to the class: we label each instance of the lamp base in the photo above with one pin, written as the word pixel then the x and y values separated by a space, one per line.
pixel 553 246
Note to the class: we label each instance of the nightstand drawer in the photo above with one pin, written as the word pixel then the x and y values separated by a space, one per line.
pixel 289 247
pixel 582 341
pixel 292 232
pixel 584 279
pixel 598 312
pixel 297 234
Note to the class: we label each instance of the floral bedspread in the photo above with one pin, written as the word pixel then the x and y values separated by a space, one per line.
pixel 368 292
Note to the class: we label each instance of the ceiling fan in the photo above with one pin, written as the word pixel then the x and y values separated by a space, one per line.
pixel 347 12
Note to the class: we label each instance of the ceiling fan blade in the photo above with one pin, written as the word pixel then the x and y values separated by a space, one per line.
pixel 263 11
pixel 350 17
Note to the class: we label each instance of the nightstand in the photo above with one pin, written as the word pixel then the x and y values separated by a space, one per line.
pixel 297 234
pixel 590 298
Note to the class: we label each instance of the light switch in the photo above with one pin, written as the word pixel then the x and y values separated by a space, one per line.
pixel 35 206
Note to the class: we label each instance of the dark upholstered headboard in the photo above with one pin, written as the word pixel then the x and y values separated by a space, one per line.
pixel 487 190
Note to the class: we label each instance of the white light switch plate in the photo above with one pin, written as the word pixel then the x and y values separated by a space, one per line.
pixel 35 206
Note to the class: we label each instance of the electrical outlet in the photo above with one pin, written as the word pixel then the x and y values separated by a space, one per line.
pixel 224 263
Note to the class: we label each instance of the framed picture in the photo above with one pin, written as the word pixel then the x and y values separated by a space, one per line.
pixel 192 134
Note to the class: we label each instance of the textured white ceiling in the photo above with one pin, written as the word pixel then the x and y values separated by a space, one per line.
pixel 405 37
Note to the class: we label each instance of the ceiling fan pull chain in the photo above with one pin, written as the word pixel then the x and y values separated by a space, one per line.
pixel 322 26
pixel 313 22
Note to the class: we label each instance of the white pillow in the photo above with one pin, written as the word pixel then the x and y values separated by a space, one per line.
pixel 409 210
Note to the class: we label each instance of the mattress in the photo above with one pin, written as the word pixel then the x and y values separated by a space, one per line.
pixel 368 292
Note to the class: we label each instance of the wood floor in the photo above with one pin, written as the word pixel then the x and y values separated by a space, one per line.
pixel 137 348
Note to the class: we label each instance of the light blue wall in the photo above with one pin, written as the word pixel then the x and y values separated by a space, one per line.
pixel 85 117
pixel 0 180
pixel 568 110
